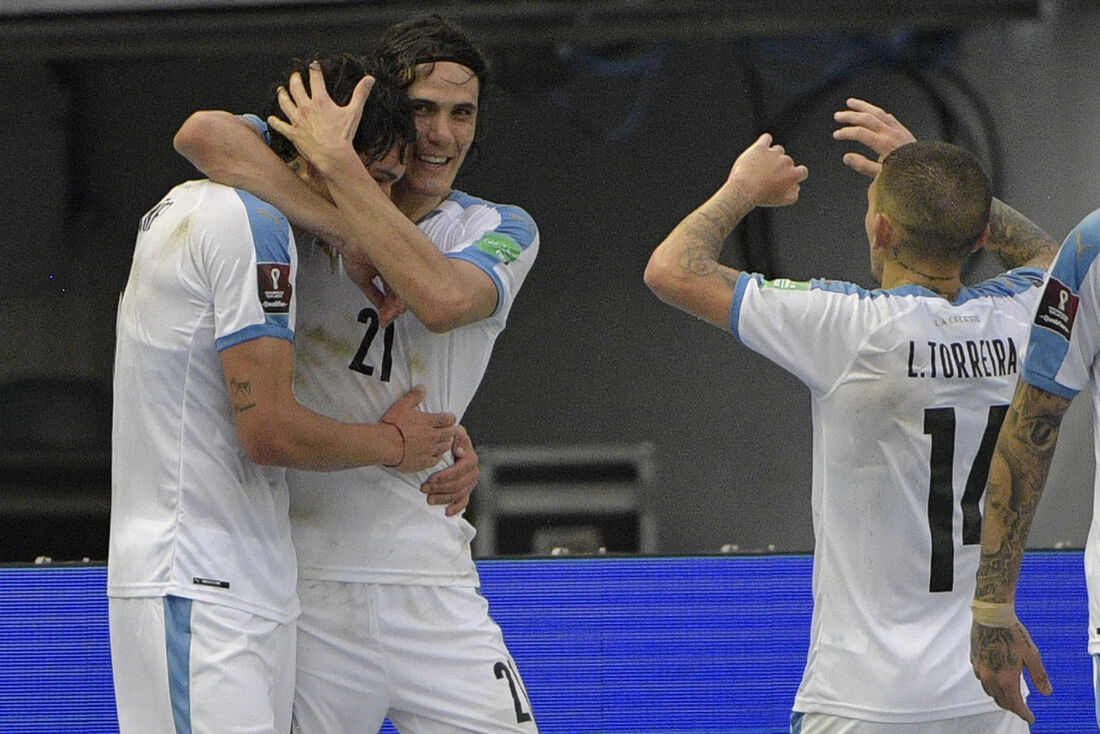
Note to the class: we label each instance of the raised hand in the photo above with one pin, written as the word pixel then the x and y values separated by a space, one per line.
pixel 872 126
pixel 317 125
pixel 766 175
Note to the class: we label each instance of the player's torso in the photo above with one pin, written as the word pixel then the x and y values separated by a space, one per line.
pixel 192 515
pixel 372 523
pixel 902 447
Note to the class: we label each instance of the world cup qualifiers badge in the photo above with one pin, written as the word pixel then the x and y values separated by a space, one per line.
pixel 273 280
pixel 1057 309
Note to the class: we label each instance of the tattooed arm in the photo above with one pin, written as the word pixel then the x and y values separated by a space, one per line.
pixel 1017 241
pixel 1013 238
pixel 1000 650
pixel 684 270
pixel 275 430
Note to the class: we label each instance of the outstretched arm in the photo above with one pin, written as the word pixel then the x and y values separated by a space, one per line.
pixel 684 270
pixel 1013 238
pixel 1000 646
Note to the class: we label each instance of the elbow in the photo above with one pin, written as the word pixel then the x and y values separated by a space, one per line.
pixel 661 280
pixel 265 447
pixel 195 142
pixel 440 320
pixel 188 140
pixel 448 310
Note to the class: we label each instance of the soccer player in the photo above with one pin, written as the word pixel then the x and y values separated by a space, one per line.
pixel 909 383
pixel 201 571
pixel 392 622
pixel 1060 362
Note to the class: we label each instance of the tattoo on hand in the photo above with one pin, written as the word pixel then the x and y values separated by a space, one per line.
pixel 994 648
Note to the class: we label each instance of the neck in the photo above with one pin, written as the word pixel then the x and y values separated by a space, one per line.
pixel 415 206
pixel 940 279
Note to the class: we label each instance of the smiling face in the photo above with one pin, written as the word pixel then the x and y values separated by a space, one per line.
pixel 444 101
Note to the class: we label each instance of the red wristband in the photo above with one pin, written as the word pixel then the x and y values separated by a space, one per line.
pixel 402 435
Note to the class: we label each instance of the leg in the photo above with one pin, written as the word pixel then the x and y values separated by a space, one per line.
pixel 181 665
pixel 342 686
pixel 452 671
pixel 139 666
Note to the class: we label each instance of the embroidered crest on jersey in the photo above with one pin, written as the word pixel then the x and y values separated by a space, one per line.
pixel 273 280
pixel 500 246
pixel 786 284
pixel 1057 309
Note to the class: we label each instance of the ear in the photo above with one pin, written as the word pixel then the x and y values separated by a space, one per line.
pixel 883 231
pixel 982 239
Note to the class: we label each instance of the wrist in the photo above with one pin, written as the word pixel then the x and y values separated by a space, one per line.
pixel 994 614
pixel 401 438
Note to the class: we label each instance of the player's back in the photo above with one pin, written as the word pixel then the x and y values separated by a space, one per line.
pixel 192 515
pixel 903 438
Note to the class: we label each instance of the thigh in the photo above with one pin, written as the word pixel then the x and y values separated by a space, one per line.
pixel 342 685
pixel 1096 687
pixel 241 671
pixel 994 722
pixel 139 666
pixel 181 665
pixel 452 671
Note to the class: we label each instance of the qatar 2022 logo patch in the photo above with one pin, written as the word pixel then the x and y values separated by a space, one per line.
pixel 1057 309
pixel 276 290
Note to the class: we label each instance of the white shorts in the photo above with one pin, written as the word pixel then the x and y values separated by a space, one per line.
pixel 187 666
pixel 994 722
pixel 1096 687
pixel 428 657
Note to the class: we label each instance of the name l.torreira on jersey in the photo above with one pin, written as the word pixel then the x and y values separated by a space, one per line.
pixel 963 359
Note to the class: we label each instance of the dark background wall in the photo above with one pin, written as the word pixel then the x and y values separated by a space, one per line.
pixel 608 145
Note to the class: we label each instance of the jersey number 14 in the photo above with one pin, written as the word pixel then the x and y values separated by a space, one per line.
pixel 939 423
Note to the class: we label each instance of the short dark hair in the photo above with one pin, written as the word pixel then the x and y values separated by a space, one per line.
pixel 387 114
pixel 937 197
pixel 424 39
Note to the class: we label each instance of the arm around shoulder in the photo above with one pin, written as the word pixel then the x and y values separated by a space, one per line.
pixel 230 150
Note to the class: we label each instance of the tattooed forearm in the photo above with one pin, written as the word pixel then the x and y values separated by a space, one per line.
pixel 240 395
pixel 1014 239
pixel 706 234
pixel 1017 477
pixel 703 235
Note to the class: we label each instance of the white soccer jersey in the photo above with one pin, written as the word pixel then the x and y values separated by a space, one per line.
pixel 373 524
pixel 191 514
pixel 908 392
pixel 1061 358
